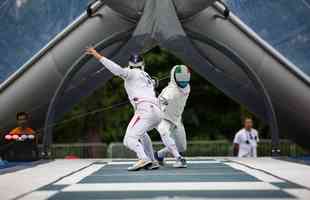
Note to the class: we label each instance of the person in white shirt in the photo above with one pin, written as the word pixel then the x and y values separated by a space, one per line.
pixel 173 100
pixel 141 93
pixel 245 141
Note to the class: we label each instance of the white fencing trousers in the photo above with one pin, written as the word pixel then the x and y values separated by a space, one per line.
pixel 148 146
pixel 147 116
pixel 173 137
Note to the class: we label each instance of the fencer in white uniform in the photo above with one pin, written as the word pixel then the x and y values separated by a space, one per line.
pixel 172 101
pixel 140 90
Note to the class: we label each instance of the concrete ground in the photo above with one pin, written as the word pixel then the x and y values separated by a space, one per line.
pixel 205 178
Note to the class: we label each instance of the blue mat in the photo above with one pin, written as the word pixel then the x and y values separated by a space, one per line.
pixel 6 167
pixel 5 164
pixel 113 174
pixel 300 159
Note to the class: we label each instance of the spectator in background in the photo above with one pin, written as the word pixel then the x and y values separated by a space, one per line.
pixel 22 131
pixel 245 141
pixel 22 145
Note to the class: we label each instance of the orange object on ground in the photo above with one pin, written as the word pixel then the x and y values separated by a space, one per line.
pixel 20 131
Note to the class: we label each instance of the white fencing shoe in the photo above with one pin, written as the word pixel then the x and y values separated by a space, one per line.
pixel 180 163
pixel 139 165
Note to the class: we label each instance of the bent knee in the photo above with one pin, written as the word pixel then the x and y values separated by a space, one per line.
pixel 129 138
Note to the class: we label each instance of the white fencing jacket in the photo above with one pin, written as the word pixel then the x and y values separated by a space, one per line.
pixel 138 84
pixel 173 100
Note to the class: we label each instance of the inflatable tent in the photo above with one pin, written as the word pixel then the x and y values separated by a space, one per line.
pixel 205 34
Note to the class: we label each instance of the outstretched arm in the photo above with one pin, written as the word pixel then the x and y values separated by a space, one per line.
pixel 109 64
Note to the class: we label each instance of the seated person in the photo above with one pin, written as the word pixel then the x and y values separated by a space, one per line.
pixel 23 131
pixel 24 147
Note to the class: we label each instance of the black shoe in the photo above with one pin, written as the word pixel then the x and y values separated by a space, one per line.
pixel 155 165
pixel 159 159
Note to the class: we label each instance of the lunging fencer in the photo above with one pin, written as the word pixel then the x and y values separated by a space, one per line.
pixel 140 88
pixel 172 101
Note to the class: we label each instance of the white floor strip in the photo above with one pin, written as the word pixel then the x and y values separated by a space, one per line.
pixel 299 193
pixel 39 195
pixel 181 186
pixel 17 183
pixel 294 172
pixel 166 174
pixel 194 198
pixel 168 162
pixel 258 174
pixel 77 177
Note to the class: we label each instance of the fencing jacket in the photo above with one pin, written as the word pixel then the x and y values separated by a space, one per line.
pixel 138 84
pixel 173 100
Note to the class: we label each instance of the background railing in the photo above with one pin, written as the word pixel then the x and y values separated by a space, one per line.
pixel 195 148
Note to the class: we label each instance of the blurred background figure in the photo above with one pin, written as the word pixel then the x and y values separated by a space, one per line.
pixel 21 142
pixel 245 141
pixel 22 131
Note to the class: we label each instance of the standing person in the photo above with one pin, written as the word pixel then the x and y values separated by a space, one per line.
pixel 140 90
pixel 173 100
pixel 245 141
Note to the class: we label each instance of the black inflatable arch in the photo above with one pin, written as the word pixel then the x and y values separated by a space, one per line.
pixel 78 65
